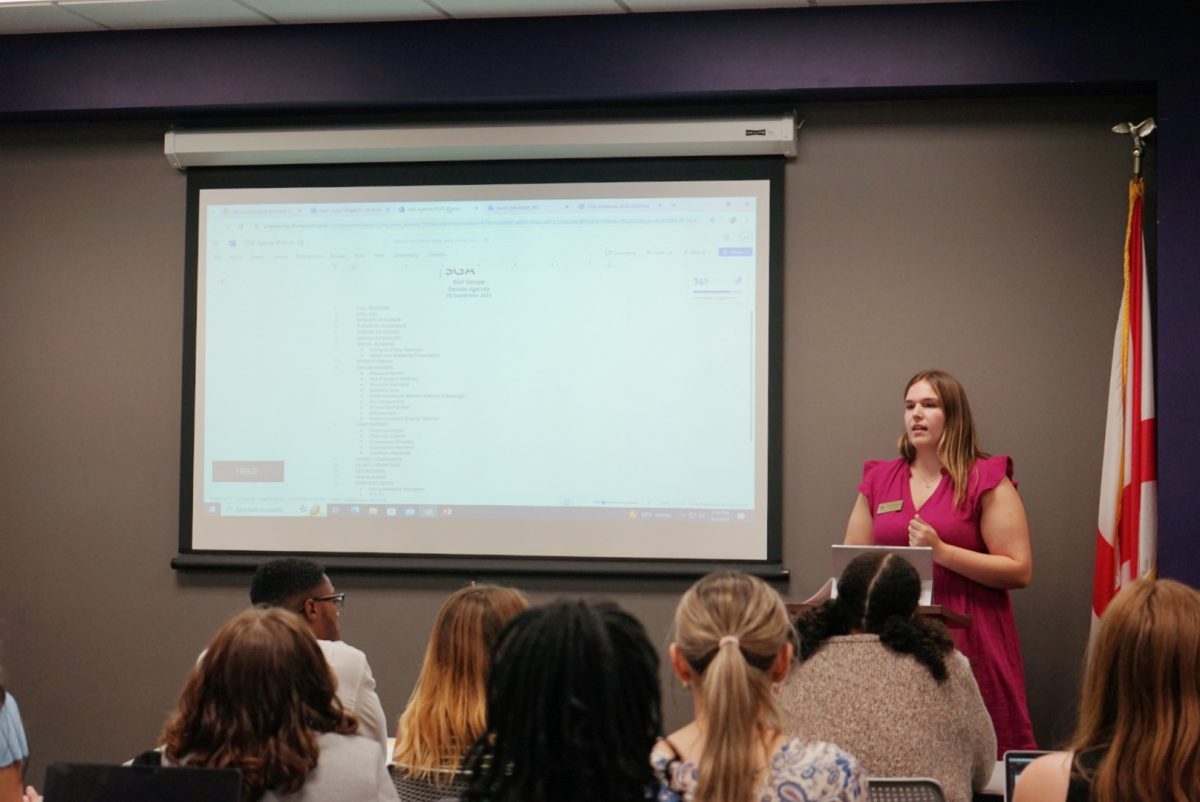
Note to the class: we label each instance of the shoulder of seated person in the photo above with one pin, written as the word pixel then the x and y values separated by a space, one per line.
pixel 1046 779
pixel 339 647
pixel 956 659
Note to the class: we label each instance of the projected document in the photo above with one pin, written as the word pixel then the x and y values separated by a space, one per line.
pixel 483 369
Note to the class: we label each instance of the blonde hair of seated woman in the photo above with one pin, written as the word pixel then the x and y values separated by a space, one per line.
pixel 447 709
pixel 723 624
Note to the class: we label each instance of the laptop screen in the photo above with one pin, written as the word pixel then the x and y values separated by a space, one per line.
pixel 921 558
pixel 1015 762
pixel 82 782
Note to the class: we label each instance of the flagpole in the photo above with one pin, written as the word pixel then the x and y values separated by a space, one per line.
pixel 1127 524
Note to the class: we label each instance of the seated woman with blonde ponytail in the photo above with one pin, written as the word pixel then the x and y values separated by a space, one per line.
pixel 733 646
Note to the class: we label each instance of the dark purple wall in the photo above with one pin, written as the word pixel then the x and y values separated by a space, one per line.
pixel 777 56
pixel 585 60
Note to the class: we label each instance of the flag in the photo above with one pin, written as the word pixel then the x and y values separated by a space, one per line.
pixel 1128 521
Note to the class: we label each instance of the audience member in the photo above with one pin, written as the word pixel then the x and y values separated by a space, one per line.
pixel 733 641
pixel 889 686
pixel 262 700
pixel 572 709
pixel 302 586
pixel 1138 735
pixel 447 710
pixel 14 752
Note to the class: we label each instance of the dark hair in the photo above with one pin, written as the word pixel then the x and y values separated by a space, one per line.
pixel 257 701
pixel 573 709
pixel 285 583
pixel 877 594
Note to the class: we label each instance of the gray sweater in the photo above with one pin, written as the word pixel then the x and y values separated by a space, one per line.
pixel 885 709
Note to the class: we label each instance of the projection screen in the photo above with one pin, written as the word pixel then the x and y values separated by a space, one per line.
pixel 469 363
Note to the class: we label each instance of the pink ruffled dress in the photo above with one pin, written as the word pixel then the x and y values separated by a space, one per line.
pixel 990 642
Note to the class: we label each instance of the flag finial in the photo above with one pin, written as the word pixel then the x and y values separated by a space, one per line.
pixel 1139 132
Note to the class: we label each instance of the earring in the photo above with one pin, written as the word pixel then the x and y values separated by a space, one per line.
pixel 687 685
pixel 776 688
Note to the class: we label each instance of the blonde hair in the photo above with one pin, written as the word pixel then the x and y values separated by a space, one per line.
pixel 447 709
pixel 732 676
pixel 958 448
pixel 1140 700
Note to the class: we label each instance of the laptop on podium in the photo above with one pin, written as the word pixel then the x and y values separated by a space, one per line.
pixel 921 558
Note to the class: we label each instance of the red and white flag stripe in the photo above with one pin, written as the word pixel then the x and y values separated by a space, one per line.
pixel 1128 521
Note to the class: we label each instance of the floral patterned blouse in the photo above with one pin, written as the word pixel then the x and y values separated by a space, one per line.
pixel 799 771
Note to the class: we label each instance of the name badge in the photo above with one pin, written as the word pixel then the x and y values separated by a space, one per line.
pixel 889 506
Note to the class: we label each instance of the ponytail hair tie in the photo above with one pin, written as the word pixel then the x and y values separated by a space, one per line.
pixel 729 639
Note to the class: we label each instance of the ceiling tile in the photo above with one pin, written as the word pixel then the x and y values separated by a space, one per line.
pixel 292 11
pixel 125 14
pixel 883 2
pixel 42 19
pixel 698 5
pixel 527 8
pixel 32 16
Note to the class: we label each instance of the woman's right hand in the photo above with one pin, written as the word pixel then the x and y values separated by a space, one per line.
pixel 31 795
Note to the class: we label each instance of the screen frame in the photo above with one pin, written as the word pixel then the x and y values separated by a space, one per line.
pixel 770 169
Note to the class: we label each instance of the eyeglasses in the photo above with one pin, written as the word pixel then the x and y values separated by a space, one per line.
pixel 338 599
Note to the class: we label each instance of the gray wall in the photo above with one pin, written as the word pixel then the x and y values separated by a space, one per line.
pixel 983 237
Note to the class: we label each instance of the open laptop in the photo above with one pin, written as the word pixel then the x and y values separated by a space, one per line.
pixel 921 558
pixel 1015 762
pixel 85 782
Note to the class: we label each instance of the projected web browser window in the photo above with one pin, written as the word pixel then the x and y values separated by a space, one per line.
pixel 392 368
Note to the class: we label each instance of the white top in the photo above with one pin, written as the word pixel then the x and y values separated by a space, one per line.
pixel 349 769
pixel 356 690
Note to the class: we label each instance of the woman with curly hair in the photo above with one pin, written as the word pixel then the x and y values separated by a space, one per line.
pixel 887 685
pixel 447 710
pixel 1138 735
pixel 262 700
pixel 732 648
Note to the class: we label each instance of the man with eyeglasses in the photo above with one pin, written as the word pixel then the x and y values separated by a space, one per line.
pixel 302 586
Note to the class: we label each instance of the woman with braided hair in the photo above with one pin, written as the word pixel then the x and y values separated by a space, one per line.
pixel 572 709
pixel 888 685
pixel 732 648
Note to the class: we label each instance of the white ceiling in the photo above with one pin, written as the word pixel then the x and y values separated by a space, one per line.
pixel 51 16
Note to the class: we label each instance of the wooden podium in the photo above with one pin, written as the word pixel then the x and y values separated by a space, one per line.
pixel 951 618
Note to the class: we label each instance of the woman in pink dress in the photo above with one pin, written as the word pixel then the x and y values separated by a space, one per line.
pixel 946 493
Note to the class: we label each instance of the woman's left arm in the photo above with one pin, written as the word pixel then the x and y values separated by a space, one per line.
pixel 1008 562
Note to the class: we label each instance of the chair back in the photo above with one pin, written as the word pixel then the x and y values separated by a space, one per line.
pixel 447 784
pixel 904 789
pixel 82 782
